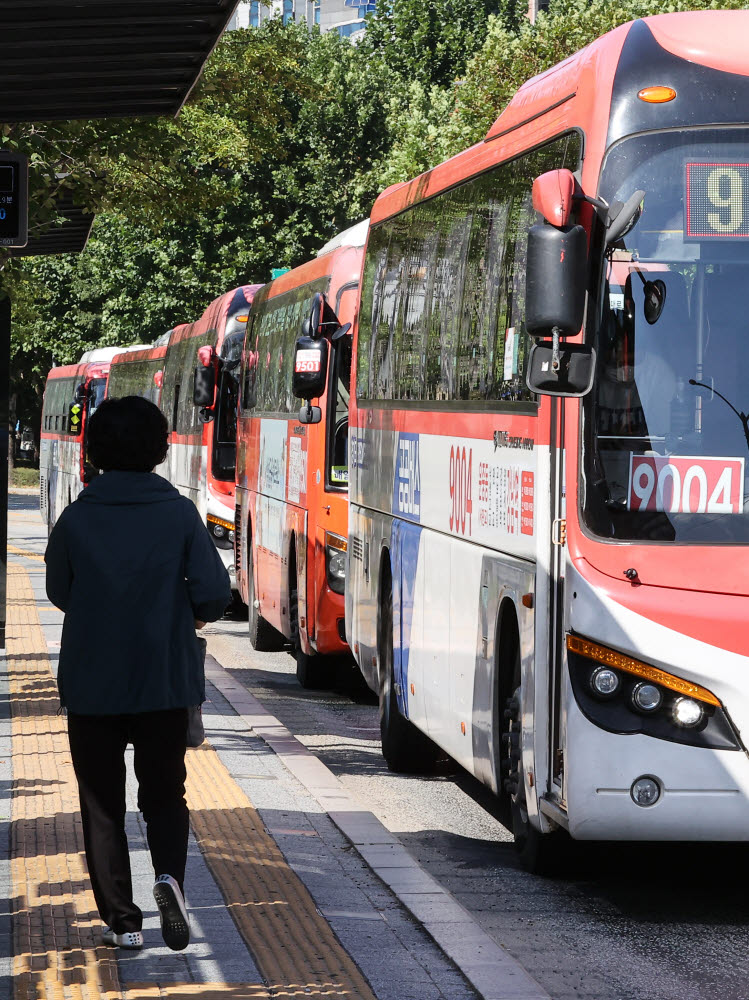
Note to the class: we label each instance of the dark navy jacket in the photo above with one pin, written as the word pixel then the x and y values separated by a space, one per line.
pixel 132 566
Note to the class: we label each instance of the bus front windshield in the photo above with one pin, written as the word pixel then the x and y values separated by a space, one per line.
pixel 96 393
pixel 666 442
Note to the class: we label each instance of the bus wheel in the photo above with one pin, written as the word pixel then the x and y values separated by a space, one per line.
pixel 264 638
pixel 404 747
pixel 539 853
pixel 312 669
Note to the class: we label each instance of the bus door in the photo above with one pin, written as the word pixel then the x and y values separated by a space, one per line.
pixel 330 513
pixel 224 444
pixel 550 603
pixel 95 393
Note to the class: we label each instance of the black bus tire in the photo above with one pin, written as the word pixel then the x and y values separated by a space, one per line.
pixel 539 853
pixel 264 638
pixel 313 670
pixel 405 748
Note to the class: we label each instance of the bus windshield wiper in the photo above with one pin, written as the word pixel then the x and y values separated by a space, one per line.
pixel 743 417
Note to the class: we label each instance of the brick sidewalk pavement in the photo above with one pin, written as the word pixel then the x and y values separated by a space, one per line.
pixel 56 929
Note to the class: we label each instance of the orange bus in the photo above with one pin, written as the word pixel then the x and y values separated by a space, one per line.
pixel 292 475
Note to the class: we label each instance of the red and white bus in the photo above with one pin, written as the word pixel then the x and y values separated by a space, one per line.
pixel 292 475
pixel 139 372
pixel 71 395
pixel 202 440
pixel 553 589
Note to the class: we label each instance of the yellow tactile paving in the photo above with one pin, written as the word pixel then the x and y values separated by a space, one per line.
pixel 289 939
pixel 54 918
pixel 206 991
pixel 26 553
pixel 55 924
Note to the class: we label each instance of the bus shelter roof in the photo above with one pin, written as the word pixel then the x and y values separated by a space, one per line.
pixel 67 59
pixel 69 235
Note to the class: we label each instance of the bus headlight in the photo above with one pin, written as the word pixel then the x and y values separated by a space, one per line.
pixel 335 561
pixel 605 682
pixel 222 531
pixel 646 697
pixel 624 695
pixel 687 712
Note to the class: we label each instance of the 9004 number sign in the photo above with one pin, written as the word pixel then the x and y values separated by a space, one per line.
pixel 686 485
pixel 716 201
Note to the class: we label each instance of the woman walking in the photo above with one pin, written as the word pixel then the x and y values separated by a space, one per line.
pixel 135 571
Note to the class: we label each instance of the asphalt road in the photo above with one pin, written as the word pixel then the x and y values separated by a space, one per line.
pixel 649 922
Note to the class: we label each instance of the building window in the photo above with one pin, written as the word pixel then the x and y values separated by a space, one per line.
pixel 316 12
pixel 255 14
pixel 352 28
pixel 288 11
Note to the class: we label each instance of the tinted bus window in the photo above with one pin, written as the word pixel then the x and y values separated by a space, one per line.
pixel 135 378
pixel 57 399
pixel 275 325
pixel 444 285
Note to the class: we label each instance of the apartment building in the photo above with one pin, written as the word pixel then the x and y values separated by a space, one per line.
pixel 344 16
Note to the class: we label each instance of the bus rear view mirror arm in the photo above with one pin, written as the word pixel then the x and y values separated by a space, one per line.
pixel 623 217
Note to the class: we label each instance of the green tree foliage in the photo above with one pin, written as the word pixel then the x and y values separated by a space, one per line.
pixel 282 160
pixel 430 41
pixel 163 168
pixel 287 139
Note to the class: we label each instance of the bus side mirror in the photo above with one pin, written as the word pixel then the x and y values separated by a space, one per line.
pixel 555 283
pixel 573 376
pixel 204 385
pixel 310 375
pixel 555 280
pixel 312 324
pixel 552 196
pixel 75 416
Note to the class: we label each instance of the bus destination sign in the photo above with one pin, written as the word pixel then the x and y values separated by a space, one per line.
pixel 716 201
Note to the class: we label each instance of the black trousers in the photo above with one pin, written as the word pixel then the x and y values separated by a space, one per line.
pixel 97 746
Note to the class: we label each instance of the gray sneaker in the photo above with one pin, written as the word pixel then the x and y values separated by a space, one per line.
pixel 175 927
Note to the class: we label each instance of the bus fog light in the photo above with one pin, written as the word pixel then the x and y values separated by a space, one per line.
pixel 218 530
pixel 605 682
pixel 687 713
pixel 645 791
pixel 646 697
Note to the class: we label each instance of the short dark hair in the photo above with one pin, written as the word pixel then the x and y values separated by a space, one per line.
pixel 130 434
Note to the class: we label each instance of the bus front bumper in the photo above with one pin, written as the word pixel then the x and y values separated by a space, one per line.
pixel 703 794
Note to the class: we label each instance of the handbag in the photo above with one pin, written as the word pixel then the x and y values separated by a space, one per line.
pixel 195 728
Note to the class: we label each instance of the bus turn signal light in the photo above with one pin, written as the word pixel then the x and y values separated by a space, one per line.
pixel 229 525
pixel 610 658
pixel 657 95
